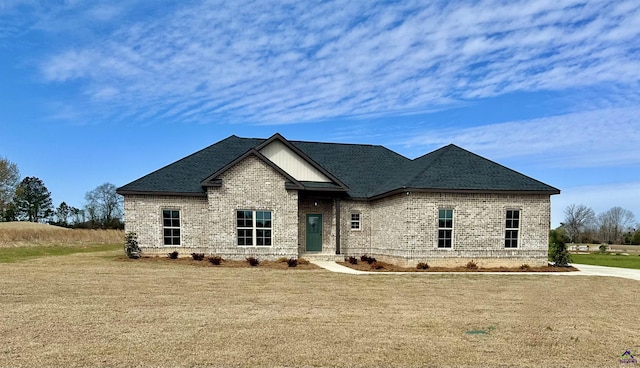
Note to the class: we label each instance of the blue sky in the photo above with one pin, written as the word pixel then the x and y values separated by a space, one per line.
pixel 99 91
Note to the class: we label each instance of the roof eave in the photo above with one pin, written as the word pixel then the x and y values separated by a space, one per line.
pixel 463 191
pixel 159 193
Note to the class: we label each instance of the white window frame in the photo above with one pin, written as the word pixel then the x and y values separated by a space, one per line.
pixel 357 222
pixel 509 228
pixel 445 229
pixel 254 229
pixel 171 227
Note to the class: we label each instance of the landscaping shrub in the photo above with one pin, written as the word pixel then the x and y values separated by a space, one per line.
pixel 525 267
pixel 366 258
pixel 559 254
pixel 302 261
pixel 353 260
pixel 253 261
pixel 471 265
pixel 131 248
pixel 292 262
pixel 216 260
pixel 422 266
pixel 197 256
pixel 602 248
pixel 376 265
pixel 173 255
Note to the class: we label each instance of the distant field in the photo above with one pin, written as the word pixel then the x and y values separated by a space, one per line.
pixel 610 260
pixel 102 310
pixel 21 234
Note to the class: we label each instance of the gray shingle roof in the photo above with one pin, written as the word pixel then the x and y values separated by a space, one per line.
pixel 367 170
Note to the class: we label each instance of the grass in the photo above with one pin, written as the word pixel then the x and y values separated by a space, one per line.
pixel 24 234
pixel 610 260
pixel 96 309
pixel 10 255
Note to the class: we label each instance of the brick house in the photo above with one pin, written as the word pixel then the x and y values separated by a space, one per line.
pixel 275 198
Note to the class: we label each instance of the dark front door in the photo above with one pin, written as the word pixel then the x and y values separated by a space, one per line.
pixel 314 233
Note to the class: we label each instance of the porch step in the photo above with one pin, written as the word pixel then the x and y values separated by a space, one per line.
pixel 322 257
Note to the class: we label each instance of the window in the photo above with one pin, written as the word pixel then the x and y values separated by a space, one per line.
pixel 512 229
pixel 254 228
pixel 445 228
pixel 171 227
pixel 355 221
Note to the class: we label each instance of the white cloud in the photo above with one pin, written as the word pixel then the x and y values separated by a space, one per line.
pixel 604 137
pixel 278 63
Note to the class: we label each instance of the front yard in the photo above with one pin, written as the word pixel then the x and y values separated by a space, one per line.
pixel 95 309
pixel 610 260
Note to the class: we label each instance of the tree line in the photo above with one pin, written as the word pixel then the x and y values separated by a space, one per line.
pixel 28 199
pixel 615 226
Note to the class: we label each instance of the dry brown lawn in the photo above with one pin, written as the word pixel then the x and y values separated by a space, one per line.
pixel 21 234
pixel 97 310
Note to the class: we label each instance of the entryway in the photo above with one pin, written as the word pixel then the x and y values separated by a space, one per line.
pixel 314 233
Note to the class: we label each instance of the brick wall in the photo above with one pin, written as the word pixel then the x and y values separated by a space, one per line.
pixel 209 225
pixel 143 215
pixel 404 227
pixel 252 185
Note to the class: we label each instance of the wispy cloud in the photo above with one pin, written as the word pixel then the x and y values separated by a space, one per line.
pixel 276 62
pixel 604 137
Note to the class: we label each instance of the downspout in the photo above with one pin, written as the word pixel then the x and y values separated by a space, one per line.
pixel 337 206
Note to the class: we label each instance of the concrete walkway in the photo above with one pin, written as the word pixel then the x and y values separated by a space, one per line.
pixel 583 270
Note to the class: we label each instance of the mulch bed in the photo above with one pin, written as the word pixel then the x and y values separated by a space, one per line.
pixel 386 267
pixel 189 261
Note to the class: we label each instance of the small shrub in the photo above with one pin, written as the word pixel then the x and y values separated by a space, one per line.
pixel 216 260
pixel 525 267
pixel 353 260
pixel 131 248
pixel 422 266
pixel 376 265
pixel 471 265
pixel 559 254
pixel 197 256
pixel 283 260
pixel 253 261
pixel 302 261
pixel 602 248
pixel 292 262
pixel 366 258
pixel 173 255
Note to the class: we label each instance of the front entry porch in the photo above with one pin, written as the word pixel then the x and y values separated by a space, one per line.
pixel 318 226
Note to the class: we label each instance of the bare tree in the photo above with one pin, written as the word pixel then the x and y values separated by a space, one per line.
pixel 576 220
pixel 614 223
pixel 9 180
pixel 104 204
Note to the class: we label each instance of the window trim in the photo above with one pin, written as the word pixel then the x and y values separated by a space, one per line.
pixel 358 221
pixel 254 228
pixel 445 228
pixel 171 227
pixel 510 230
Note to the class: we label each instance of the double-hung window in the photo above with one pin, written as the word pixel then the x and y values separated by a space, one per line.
pixel 445 228
pixel 512 228
pixel 254 228
pixel 171 227
pixel 355 221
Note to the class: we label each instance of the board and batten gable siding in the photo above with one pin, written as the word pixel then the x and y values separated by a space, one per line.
pixel 291 163
pixel 252 185
pixel 405 227
pixel 143 215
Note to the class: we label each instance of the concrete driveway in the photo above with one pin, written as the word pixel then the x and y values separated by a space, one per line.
pixel 583 270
